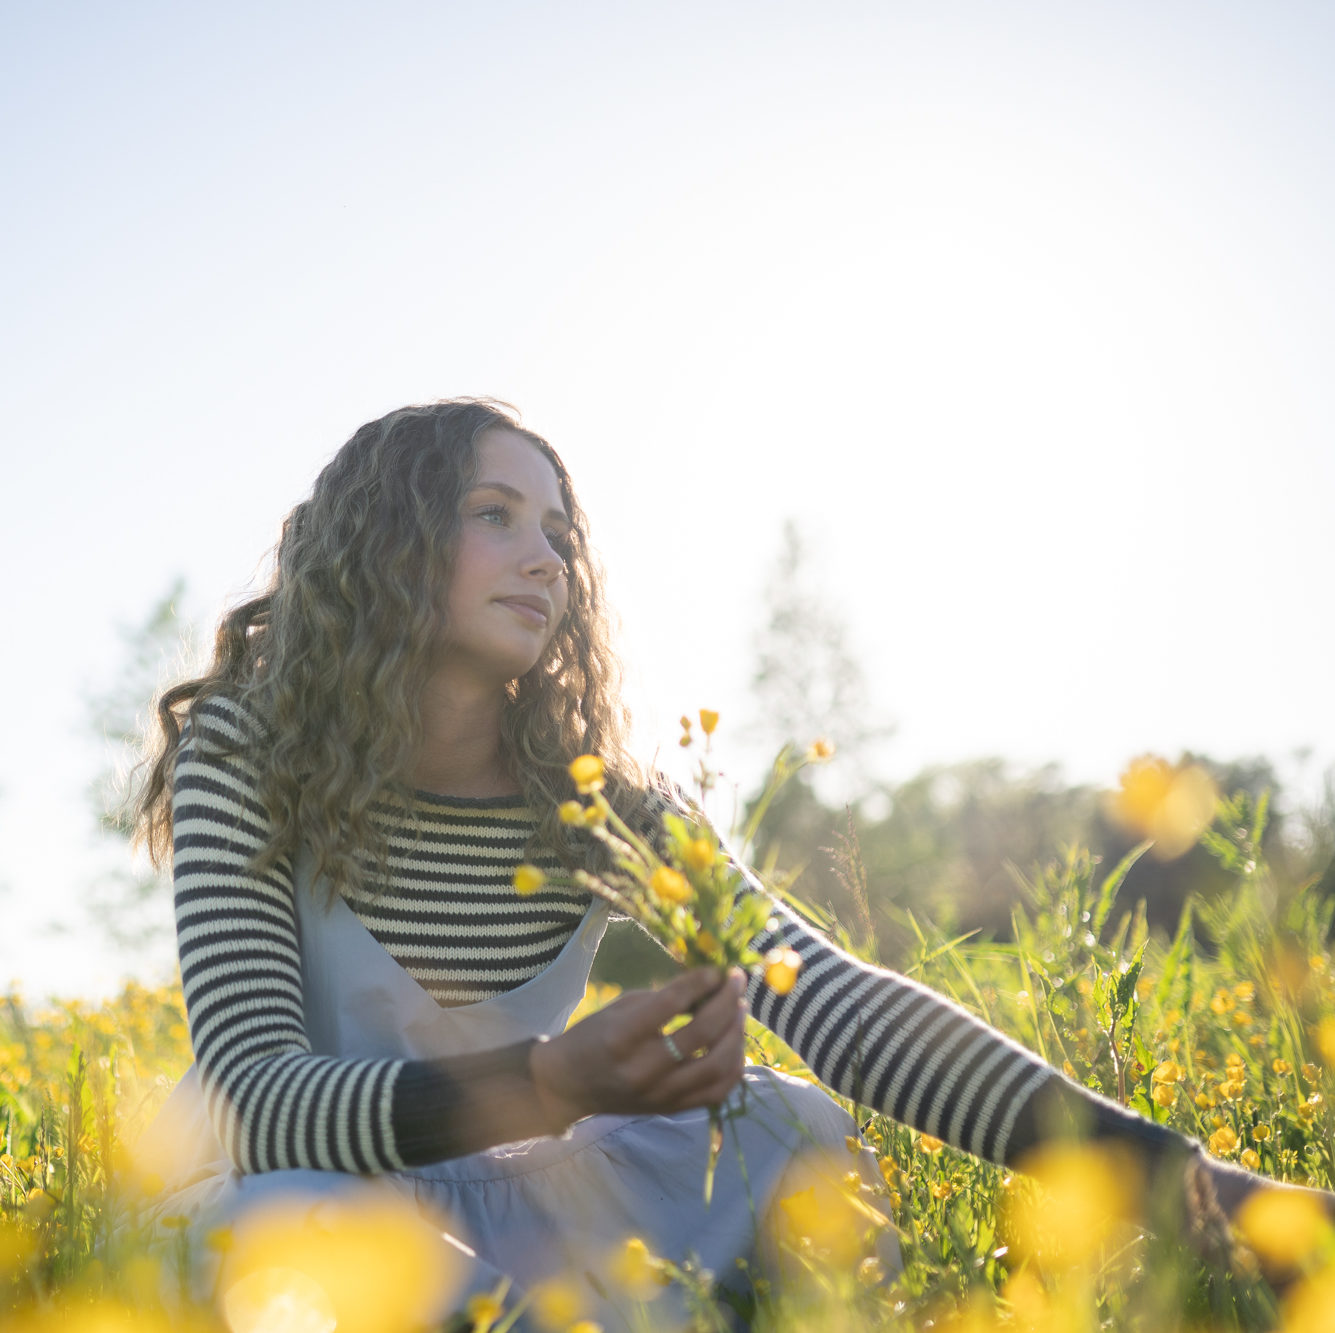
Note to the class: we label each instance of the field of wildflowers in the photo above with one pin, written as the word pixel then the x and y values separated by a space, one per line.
pixel 1225 1031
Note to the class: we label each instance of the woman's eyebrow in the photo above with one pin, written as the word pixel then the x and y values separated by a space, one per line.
pixel 510 493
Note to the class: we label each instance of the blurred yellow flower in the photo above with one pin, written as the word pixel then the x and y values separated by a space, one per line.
pixel 820 750
pixel 707 943
pixel 825 1216
pixel 528 879
pixel 1260 1133
pixel 1164 1094
pixel 929 1143
pixel 278 1297
pixel 1223 1141
pixel 1281 1066
pixel 556 1303
pixel 708 721
pixel 1325 1041
pixel 571 812
pixel 1251 1159
pixel 372 1264
pixel 1283 1226
pixel 1168 1071
pixel 638 1271
pixel 1170 804
pixel 1307 1307
pixel 483 1309
pixel 671 886
pixel 941 1189
pixel 1310 1072
pixel 1084 1193
pixel 17 1245
pixel 699 854
pixel 587 772
pixel 585 1326
pixel 781 969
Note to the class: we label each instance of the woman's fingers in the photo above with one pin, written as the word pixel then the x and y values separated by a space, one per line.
pixel 713 1044
pixel 719 1014
pixel 616 1059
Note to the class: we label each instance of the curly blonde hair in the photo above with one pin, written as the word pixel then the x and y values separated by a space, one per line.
pixel 332 657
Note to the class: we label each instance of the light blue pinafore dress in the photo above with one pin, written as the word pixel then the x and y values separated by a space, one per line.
pixel 546 1207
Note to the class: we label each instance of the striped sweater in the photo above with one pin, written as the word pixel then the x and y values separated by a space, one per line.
pixel 452 919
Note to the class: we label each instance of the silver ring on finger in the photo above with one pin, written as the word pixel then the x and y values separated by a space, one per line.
pixel 673 1049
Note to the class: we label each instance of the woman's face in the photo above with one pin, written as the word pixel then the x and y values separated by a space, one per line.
pixel 507 592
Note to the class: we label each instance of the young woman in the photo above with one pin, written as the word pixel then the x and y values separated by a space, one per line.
pixel 380 739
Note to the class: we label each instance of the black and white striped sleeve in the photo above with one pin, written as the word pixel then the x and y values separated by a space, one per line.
pixel 274 1104
pixel 896 1046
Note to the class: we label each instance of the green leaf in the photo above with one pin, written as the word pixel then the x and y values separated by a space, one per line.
pixel 1126 983
pixel 1108 892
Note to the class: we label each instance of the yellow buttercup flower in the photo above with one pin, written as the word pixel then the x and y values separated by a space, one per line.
pixel 1325 1041
pixel 638 1270
pixel 1282 1226
pixel 1251 1159
pixel 671 886
pixel 587 772
pixel 820 750
pixel 1223 1141
pixel 826 1216
pixel 708 721
pixel 556 1303
pixel 1164 1094
pixel 1260 1133
pixel 699 854
pixel 528 879
pixel 929 1143
pixel 781 969
pixel 484 1310
pixel 1085 1193
pixel 293 1266
pixel 706 943
pixel 1170 804
pixel 571 812
pixel 1169 1071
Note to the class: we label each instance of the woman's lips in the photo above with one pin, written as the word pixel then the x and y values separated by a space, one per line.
pixel 530 609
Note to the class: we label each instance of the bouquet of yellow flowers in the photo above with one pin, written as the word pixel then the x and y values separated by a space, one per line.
pixel 687 892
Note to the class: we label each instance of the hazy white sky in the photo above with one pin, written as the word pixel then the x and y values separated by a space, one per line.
pixel 1026 311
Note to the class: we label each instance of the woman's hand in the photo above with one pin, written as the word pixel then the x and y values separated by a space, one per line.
pixel 617 1061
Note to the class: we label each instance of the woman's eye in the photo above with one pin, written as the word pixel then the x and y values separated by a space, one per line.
pixel 493 514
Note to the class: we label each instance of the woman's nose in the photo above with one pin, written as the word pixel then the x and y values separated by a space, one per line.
pixel 543 560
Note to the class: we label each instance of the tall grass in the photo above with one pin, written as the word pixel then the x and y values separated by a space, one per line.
pixel 1226 1032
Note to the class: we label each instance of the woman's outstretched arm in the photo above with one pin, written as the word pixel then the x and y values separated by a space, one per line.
pixel 897 1046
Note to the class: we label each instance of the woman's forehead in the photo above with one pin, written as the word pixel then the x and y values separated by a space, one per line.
pixel 505 456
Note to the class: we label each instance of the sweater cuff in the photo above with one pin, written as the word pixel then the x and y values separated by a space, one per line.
pixel 1061 1109
pixel 465 1103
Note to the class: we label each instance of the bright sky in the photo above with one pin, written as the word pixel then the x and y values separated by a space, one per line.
pixel 1026 312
